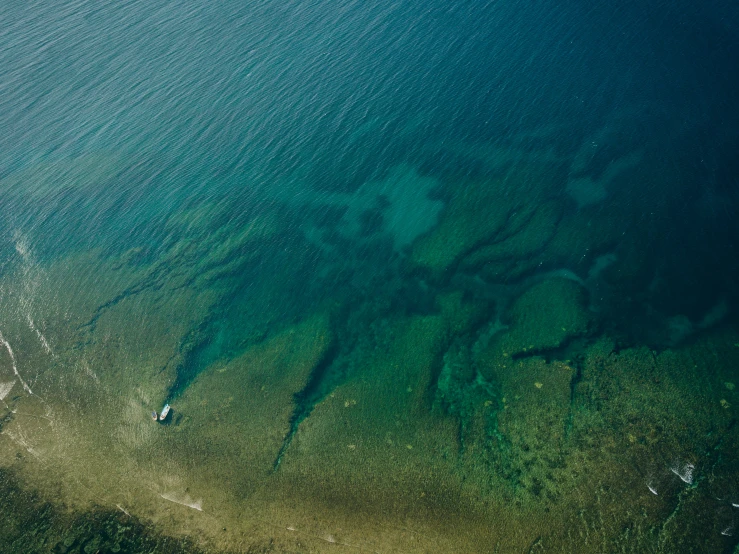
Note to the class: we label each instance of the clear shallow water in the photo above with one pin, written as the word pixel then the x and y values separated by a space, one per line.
pixel 256 211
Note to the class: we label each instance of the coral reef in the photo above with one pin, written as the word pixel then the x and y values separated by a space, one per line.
pixel 480 394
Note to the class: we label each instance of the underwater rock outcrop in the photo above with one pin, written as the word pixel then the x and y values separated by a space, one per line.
pixel 373 433
pixel 486 212
pixel 251 397
pixel 544 318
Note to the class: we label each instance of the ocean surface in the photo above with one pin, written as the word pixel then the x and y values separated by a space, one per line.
pixel 412 276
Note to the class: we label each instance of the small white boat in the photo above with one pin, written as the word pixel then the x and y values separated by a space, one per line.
pixel 154 416
pixel 165 412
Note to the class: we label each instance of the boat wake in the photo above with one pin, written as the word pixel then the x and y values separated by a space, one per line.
pixel 183 500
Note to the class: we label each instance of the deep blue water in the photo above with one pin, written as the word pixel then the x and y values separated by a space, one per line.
pixel 232 98
pixel 229 98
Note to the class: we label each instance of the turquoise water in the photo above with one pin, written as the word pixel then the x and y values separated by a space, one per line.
pixel 394 265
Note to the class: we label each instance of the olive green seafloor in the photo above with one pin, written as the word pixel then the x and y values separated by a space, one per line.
pixel 471 426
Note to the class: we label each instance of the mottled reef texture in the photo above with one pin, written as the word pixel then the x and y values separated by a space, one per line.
pixel 482 395
pixel 30 524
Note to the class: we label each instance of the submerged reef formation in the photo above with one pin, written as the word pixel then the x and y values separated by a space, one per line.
pixel 470 384
pixel 30 524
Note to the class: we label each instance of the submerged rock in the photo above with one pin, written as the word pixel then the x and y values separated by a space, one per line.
pixel 544 318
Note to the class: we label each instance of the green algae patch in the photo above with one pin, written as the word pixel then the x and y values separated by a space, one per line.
pixel 98 358
pixel 462 315
pixel 659 414
pixel 473 215
pixel 237 415
pixel 440 434
pixel 373 452
pixel 533 420
pixel 30 524
pixel 519 241
pixel 552 462
pixel 545 317
pixel 668 401
pixel 484 212
pixel 373 441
